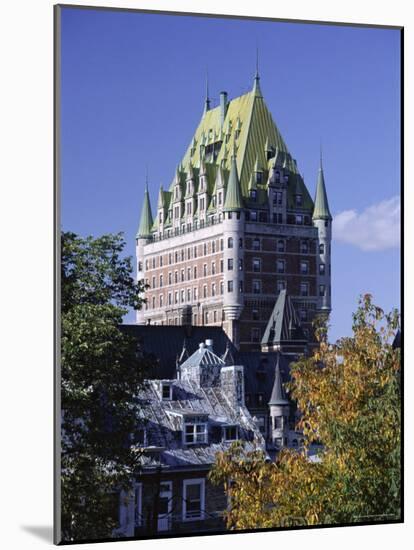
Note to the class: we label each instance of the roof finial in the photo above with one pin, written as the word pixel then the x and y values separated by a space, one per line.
pixel 146 177
pixel 320 154
pixel 207 100
pixel 256 85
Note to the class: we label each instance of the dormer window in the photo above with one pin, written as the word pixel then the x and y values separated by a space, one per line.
pixel 195 432
pixel 298 200
pixel 286 178
pixel 259 177
pixel 166 391
pixel 230 433
pixel 253 194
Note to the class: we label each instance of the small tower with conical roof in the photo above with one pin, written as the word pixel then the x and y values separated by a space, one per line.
pixel 233 236
pixel 143 237
pixel 322 220
pixel 279 408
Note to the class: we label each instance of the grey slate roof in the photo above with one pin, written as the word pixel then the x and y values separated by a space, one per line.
pixel 283 324
pixel 278 396
pixel 166 343
pixel 163 424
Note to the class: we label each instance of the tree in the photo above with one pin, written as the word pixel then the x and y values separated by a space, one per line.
pixel 349 397
pixel 101 371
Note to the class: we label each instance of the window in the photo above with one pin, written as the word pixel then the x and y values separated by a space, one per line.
pixel 240 265
pixel 182 275
pixel 182 254
pixel 221 287
pixel 263 217
pixel 219 198
pixel 321 248
pixel 253 216
pixel 176 276
pixel 321 269
pixel 304 247
pixel 255 335
pixel 253 194
pixel 255 314
pixel 304 289
pixel 188 273
pixel 277 198
pixel 213 247
pixel 215 315
pixel 256 265
pixel 230 264
pixel 304 268
pixel 256 244
pixel 230 433
pixel 153 263
pixel 229 286
pixel 153 282
pixel 182 296
pixel 298 200
pixel 169 298
pixel 195 433
pixel 213 268
pixel 247 399
pixel 280 285
pixel 153 302
pixel 139 266
pixel 205 270
pixel 195 272
pixel 221 266
pixel 193 499
pixel 298 219
pixel 166 389
pixel 195 252
pixel 240 243
pixel 322 290
pixel 260 398
pixel 161 280
pixel 230 242
pixel 280 266
pixel 188 294
pixel 240 286
pixel 161 300
pixel 176 297
pixel 188 208
pixel 280 245
pixel 195 293
pixel 213 290
pixel 277 217
pixel 257 287
pixel 302 315
pixel 205 291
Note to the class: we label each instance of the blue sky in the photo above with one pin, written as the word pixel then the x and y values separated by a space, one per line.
pixel 133 87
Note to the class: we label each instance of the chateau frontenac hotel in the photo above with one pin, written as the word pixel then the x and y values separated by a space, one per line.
pixel 236 226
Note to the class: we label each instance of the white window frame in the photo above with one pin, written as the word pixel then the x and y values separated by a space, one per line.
pixel 202 483
pixel 194 434
pixel 225 428
pixel 166 385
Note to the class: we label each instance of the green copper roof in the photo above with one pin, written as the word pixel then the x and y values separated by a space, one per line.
pixel 278 396
pixel 321 210
pixel 146 221
pixel 234 199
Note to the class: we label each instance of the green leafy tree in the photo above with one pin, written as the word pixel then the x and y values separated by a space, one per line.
pixel 101 371
pixel 349 397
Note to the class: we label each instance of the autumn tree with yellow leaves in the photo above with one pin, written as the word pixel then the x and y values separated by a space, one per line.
pixel 349 397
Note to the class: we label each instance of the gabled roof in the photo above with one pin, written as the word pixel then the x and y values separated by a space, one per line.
pixel 283 325
pixel 278 396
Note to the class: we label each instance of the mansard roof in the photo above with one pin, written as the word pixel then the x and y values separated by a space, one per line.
pixel 163 422
pixel 283 324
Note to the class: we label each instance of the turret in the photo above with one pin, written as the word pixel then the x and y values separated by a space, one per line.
pixel 279 409
pixel 233 237
pixel 322 219
pixel 143 237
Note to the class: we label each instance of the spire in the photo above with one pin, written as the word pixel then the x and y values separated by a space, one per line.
pixel 256 83
pixel 161 202
pixel 321 209
pixel 278 396
pixel 234 201
pixel 207 100
pixel 283 326
pixel 146 221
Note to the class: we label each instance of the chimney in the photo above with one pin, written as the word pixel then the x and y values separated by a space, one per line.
pixel 223 107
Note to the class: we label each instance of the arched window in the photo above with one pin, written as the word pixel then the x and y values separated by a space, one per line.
pixel 321 248
pixel 230 242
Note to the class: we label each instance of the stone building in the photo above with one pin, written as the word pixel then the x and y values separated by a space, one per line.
pixel 235 227
pixel 183 422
